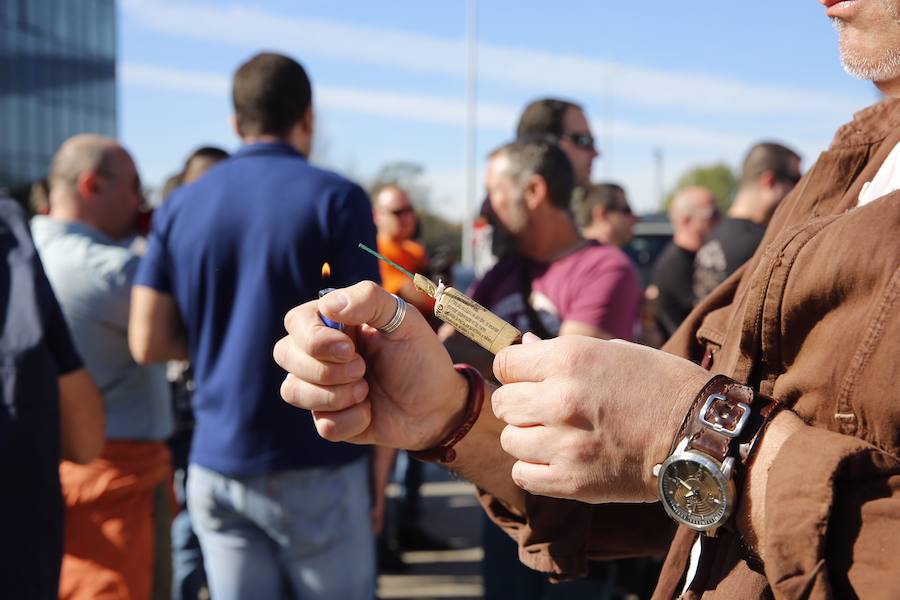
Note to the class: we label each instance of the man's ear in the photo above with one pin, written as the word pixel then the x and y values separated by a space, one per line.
pixel 309 121
pixel 536 192
pixel 88 184
pixel 235 126
pixel 598 213
pixel 767 180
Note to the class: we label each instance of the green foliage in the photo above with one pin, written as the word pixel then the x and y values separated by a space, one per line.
pixel 719 178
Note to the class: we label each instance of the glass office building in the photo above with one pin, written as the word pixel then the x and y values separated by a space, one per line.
pixel 57 78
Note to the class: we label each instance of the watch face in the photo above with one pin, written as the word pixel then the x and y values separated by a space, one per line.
pixel 694 494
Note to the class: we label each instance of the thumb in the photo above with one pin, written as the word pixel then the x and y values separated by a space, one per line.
pixel 363 303
pixel 530 338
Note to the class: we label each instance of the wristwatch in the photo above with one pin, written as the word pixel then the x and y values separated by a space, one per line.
pixel 697 482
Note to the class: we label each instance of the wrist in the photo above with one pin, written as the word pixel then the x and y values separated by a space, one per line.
pixel 464 408
pixel 449 415
pixel 750 520
pixel 682 409
pixel 700 484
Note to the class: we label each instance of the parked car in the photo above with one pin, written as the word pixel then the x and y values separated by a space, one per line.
pixel 651 235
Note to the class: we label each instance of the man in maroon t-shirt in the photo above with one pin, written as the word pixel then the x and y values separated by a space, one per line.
pixel 557 283
pixel 572 285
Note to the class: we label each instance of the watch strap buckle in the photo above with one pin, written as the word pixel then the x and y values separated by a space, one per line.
pixel 716 425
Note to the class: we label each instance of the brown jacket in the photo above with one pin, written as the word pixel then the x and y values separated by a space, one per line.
pixel 813 319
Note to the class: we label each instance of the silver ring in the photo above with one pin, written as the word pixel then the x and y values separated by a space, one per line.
pixel 397 319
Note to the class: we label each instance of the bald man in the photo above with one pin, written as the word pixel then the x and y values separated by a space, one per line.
pixel 95 192
pixel 694 211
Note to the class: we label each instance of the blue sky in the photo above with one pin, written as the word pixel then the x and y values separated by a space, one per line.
pixel 699 80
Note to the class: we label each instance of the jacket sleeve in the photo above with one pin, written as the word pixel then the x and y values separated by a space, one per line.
pixel 559 536
pixel 832 518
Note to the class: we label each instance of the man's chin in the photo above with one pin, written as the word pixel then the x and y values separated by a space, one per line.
pixel 867 63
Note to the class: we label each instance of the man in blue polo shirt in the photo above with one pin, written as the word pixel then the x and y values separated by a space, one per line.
pixel 228 255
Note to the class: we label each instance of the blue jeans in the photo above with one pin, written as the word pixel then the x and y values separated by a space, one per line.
pixel 188 576
pixel 310 529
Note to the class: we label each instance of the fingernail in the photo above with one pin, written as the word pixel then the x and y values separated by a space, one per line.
pixel 356 369
pixel 343 350
pixel 359 390
pixel 334 302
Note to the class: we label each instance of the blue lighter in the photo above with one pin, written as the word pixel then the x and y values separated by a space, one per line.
pixel 328 322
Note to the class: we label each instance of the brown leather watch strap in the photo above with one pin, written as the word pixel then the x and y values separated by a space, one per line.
pixel 726 419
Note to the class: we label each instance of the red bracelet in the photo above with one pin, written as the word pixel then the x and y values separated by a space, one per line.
pixel 444 452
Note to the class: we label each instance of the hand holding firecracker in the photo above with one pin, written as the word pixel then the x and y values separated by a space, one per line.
pixel 413 412
pixel 461 312
pixel 388 380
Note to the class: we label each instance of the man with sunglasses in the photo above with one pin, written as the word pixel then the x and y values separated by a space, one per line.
pixel 562 122
pixel 396 221
pixel 397 225
pixel 605 215
pixel 770 171
pixel 567 124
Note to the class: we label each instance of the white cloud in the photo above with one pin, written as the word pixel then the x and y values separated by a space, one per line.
pixel 578 76
pixel 685 146
pixel 174 80
pixel 428 109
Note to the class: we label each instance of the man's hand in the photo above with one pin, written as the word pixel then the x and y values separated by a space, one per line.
pixel 398 390
pixel 587 419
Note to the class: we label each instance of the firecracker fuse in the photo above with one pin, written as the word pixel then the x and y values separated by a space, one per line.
pixel 461 312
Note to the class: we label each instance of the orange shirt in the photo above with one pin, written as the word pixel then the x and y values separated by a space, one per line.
pixel 408 254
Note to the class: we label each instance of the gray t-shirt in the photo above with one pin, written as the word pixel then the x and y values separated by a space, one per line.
pixel 91 276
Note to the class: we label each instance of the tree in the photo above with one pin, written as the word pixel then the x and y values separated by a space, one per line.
pixel 719 178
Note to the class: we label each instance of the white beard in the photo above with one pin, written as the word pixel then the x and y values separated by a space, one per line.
pixel 884 66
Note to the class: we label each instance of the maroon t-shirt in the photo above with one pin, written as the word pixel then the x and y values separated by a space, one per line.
pixel 596 285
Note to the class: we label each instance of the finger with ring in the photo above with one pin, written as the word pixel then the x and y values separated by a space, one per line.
pixel 395 322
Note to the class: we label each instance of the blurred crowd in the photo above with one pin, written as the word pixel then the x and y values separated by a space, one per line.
pixel 170 359
pixel 155 457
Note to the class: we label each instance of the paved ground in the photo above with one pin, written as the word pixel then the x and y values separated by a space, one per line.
pixel 450 513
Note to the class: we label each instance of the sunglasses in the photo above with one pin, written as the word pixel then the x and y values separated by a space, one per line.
pixel 790 178
pixel 625 210
pixel 585 141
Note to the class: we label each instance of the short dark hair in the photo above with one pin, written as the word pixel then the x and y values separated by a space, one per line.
pixel 213 153
pixel 271 93
pixel 544 117
pixel 768 156
pixel 604 194
pixel 541 157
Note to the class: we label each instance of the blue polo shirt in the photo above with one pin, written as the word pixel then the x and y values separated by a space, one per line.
pixel 237 249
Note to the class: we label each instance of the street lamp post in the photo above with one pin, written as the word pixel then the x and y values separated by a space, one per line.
pixel 471 124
